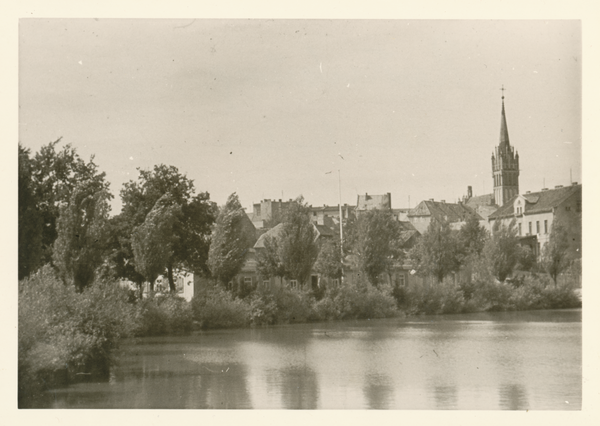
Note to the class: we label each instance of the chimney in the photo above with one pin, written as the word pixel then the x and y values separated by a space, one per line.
pixel 443 201
pixel 574 184
pixel 558 186
pixel 544 189
pixel 528 192
pixel 431 199
pixel 469 191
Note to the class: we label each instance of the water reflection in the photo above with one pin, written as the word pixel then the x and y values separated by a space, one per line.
pixel 513 397
pixel 222 386
pixel 445 397
pixel 479 361
pixel 378 390
pixel 299 389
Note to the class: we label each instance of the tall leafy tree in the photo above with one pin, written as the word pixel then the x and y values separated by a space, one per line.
pixel 30 218
pixel 55 175
pixel 438 251
pixel 527 259
pixel 472 236
pixel 154 240
pixel 82 226
pixel 292 254
pixel 375 240
pixel 192 227
pixel 502 251
pixel 555 254
pixel 329 260
pixel 232 236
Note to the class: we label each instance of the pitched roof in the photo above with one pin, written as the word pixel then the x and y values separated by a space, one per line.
pixel 406 226
pixel 481 200
pixel 324 231
pixel 273 232
pixel 538 202
pixel 439 210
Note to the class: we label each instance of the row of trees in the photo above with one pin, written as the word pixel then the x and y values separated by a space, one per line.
pixel 64 219
pixel 442 251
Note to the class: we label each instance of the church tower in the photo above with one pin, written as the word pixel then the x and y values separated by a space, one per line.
pixel 505 165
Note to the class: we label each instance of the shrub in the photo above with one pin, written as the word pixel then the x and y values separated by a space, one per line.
pixel 326 309
pixel 63 333
pixel 443 298
pixel 293 306
pixel 178 314
pixel 162 315
pixel 560 297
pixel 493 296
pixel 150 320
pixel 528 295
pixel 217 308
pixel 263 309
pixel 361 300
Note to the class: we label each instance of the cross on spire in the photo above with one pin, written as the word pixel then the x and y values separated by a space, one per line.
pixel 503 89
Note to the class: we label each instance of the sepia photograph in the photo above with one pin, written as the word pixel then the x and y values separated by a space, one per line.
pixel 284 214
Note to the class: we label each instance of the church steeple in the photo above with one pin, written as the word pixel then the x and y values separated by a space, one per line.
pixel 504 142
pixel 505 165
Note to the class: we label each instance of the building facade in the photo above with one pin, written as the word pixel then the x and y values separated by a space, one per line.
pixel 457 214
pixel 535 212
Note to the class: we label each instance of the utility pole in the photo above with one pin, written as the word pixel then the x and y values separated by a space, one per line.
pixel 341 217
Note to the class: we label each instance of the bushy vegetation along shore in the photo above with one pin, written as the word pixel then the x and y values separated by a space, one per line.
pixel 66 336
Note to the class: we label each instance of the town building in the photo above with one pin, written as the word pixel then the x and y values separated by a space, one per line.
pixel 373 202
pixel 426 211
pixel 484 205
pixel 319 213
pixel 534 213
pixel 266 210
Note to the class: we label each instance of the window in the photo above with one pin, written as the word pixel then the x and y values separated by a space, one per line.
pixel 401 280
pixel 294 284
pixel 537 226
pixel 179 283
pixel 267 285
pixel 519 229
pixel 247 280
pixel 578 208
pixel 529 228
pixel 568 208
pixel 336 282
pixel 545 226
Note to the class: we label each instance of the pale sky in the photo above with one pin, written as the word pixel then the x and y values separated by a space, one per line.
pixel 266 108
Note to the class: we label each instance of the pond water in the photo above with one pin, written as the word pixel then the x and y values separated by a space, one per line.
pixel 507 361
